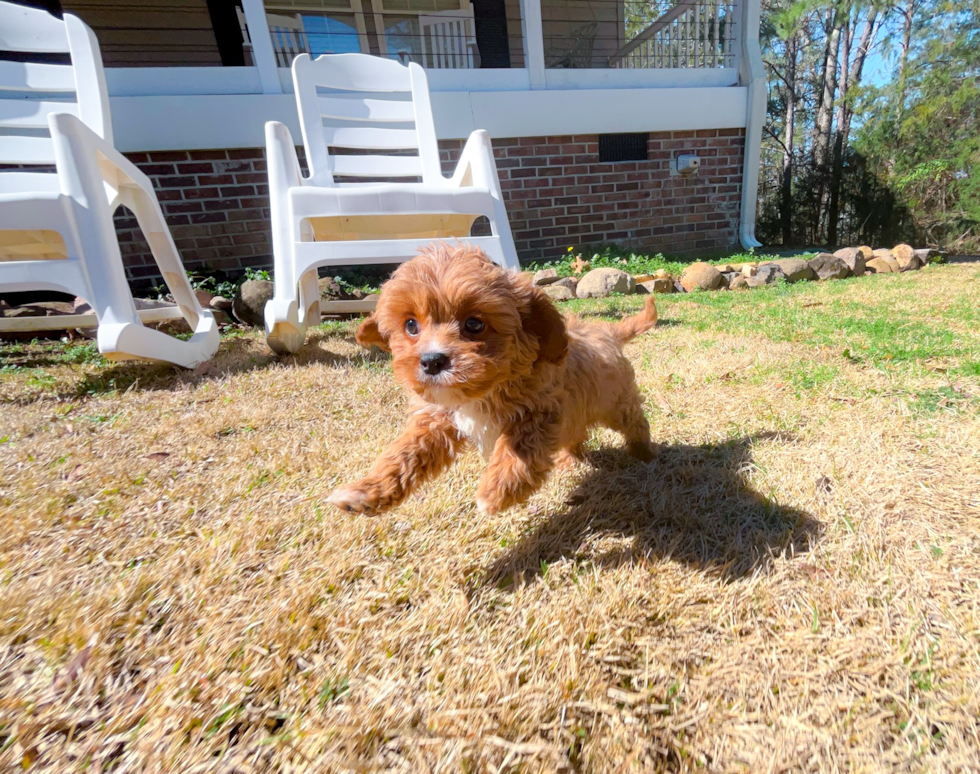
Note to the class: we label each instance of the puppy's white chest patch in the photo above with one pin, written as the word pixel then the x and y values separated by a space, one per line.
pixel 478 426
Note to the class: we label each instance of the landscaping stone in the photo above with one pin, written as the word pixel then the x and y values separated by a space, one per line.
pixel 222 304
pixel 701 276
pixel 854 259
pixel 248 306
pixel 738 282
pixel 885 254
pixel 661 274
pixel 906 258
pixel 795 269
pixel 883 266
pixel 766 274
pixel 640 278
pixel 660 285
pixel 903 253
pixel 599 283
pixel 729 276
pixel 545 277
pixel 559 293
pixel 724 268
pixel 828 267
pixel 748 269
pixel 567 282
pixel 678 287
pixel 332 290
pixel 203 297
pixel 927 255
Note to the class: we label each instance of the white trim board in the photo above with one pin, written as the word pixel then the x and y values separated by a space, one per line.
pixel 218 121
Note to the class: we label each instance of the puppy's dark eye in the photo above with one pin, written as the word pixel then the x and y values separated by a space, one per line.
pixel 472 325
pixel 411 327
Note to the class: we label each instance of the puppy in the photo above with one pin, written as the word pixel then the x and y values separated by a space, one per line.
pixel 489 360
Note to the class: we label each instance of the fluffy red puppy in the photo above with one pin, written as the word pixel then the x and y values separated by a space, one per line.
pixel 489 360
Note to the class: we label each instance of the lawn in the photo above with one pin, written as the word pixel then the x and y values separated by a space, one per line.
pixel 794 585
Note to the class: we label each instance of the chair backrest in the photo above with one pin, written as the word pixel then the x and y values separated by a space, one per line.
pixel 448 39
pixel 375 111
pixel 31 90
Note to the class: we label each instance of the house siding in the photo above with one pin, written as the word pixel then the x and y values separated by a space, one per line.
pixel 557 193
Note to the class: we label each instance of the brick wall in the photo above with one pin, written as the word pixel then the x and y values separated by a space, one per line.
pixel 558 194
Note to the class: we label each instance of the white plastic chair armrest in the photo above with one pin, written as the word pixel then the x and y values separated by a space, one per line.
pixel 476 166
pixel 283 163
pixel 115 168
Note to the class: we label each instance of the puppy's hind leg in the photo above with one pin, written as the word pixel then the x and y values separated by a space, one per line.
pixel 627 418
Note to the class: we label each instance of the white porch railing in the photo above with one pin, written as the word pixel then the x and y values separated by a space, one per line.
pixel 692 34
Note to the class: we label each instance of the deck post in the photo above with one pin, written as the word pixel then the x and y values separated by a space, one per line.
pixel 751 74
pixel 262 51
pixel 533 31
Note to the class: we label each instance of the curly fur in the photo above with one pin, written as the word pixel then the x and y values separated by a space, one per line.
pixel 525 390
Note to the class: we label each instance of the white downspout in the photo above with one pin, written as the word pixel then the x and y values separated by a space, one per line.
pixel 753 75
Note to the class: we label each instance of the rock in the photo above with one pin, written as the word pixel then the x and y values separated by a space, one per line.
pixel 248 306
pixel 566 282
pixel 828 267
pixel 766 274
pixel 883 266
pixel 660 285
pixel 599 283
pixel 661 274
pixel 333 290
pixel 738 282
pixel 643 278
pixel 221 303
pixel 221 317
pixel 795 269
pixel 678 287
pixel 885 254
pixel 903 253
pixel 906 258
pixel 854 259
pixel 748 269
pixel 544 277
pixel 729 276
pixel 866 252
pixel 701 276
pixel 724 268
pixel 203 297
pixel 927 255
pixel 559 293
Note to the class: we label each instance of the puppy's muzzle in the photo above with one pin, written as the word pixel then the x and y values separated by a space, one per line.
pixel 434 363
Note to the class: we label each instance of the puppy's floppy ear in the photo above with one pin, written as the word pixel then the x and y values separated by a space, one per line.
pixel 369 335
pixel 545 323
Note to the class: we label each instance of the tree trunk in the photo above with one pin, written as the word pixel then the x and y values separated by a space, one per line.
pixel 908 16
pixel 786 208
pixel 824 123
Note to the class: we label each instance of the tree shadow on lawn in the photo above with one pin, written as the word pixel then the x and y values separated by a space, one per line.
pixel 693 505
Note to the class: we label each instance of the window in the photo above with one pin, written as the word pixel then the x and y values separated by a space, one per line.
pixel 623 147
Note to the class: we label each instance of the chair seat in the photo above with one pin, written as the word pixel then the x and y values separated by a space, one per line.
pixel 387 199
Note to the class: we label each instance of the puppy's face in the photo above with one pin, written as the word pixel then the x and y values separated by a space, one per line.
pixel 458 325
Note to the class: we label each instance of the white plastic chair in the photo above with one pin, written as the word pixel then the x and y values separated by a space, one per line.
pixel 56 229
pixel 335 217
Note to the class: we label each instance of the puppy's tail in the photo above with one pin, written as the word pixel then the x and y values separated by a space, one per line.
pixel 630 327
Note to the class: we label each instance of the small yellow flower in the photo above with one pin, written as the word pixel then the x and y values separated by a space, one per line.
pixel 569 249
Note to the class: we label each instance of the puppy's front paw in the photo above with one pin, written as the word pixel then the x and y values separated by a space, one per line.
pixel 486 508
pixel 355 498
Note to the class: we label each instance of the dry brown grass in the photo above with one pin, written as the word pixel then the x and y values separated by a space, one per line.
pixel 794 587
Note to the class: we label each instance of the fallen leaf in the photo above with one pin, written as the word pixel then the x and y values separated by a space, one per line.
pixel 161 455
pixel 64 678
pixel 74 474
pixel 662 403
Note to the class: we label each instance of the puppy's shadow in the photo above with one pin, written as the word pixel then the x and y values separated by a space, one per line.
pixel 693 505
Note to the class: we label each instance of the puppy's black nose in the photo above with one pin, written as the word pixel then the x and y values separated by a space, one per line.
pixel 434 362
